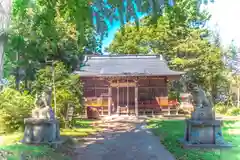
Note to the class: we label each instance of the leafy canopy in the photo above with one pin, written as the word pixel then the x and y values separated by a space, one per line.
pixel 177 37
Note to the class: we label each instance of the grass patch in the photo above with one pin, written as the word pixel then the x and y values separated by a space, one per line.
pixel 8 139
pixel 171 130
pixel 8 143
pixel 82 128
pixel 19 151
pixel 78 132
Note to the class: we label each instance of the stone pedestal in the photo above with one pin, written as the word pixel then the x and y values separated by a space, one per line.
pixel 203 114
pixel 203 131
pixel 41 131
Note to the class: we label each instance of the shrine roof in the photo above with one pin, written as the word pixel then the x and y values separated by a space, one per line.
pixel 126 65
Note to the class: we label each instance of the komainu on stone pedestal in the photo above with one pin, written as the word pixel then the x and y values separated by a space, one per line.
pixel 202 129
pixel 42 127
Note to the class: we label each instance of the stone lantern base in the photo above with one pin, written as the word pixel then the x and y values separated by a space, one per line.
pixel 203 134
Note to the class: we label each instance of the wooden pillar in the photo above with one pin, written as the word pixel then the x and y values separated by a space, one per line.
pixel 117 92
pixel 166 93
pixel 118 107
pixel 109 100
pixel 127 98
pixel 136 100
pixel 118 96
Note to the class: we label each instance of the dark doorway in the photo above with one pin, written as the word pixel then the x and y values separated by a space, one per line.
pixel 122 96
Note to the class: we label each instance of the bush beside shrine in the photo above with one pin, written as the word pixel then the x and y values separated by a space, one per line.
pixel 14 107
pixel 229 110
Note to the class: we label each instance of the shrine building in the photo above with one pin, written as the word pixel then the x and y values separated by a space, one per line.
pixel 126 84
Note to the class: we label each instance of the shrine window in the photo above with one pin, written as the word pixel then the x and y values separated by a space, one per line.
pixel 89 92
pixel 101 91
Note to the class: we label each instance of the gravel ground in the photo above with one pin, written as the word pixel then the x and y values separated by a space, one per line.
pixel 123 139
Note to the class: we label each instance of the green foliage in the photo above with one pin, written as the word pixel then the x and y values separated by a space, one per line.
pixel 180 42
pixel 228 110
pixel 14 107
pixel 68 88
pixel 221 108
pixel 172 95
pixel 40 30
pixel 233 111
pixel 44 77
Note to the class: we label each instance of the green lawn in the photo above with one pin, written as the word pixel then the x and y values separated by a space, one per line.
pixel 83 128
pixel 171 130
pixel 9 143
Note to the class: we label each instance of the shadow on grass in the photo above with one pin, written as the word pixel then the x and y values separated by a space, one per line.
pixel 170 131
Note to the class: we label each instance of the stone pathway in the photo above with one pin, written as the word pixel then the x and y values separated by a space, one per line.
pixel 123 139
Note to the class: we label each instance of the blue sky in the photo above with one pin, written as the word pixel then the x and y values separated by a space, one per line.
pixel 225 13
pixel 112 31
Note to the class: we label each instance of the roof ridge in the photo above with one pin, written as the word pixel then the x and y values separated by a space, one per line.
pixel 128 56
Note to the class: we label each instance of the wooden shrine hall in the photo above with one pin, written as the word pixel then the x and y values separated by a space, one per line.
pixel 126 84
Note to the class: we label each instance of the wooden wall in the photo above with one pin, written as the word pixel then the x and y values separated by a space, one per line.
pixel 148 89
pixel 93 87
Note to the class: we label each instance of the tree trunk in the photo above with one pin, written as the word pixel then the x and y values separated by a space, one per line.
pixel 26 84
pixel 214 92
pixel 2 42
pixel 238 91
pixel 5 14
pixel 17 77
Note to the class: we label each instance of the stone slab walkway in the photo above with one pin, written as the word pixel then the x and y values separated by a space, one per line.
pixel 123 139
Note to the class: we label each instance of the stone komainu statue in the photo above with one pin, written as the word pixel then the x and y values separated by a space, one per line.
pixel 199 96
pixel 42 127
pixel 201 101
pixel 202 129
pixel 43 108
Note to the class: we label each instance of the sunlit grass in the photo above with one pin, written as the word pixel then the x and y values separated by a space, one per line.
pixel 171 130
pixel 231 131
pixel 82 128
pixel 9 143
pixel 12 138
pixel 75 132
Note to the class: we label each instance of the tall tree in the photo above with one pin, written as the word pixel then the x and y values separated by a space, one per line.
pixel 106 12
pixel 64 30
pixel 42 30
pixel 232 60
pixel 179 39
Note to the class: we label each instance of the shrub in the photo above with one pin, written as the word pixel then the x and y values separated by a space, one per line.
pixel 14 107
pixel 221 108
pixel 65 98
pixel 173 95
pixel 233 111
